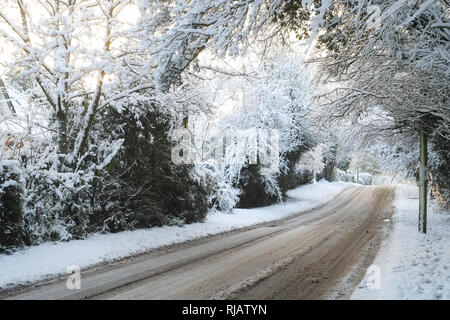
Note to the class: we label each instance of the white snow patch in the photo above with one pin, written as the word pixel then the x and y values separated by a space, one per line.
pixel 38 262
pixel 413 265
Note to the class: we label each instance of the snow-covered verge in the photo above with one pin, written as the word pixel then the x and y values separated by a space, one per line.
pixel 412 265
pixel 39 262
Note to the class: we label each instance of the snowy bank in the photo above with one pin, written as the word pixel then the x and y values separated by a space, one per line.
pixel 39 262
pixel 412 265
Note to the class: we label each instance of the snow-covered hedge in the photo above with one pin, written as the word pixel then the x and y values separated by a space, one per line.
pixel 439 163
pixel 11 215
pixel 343 176
pixel 365 179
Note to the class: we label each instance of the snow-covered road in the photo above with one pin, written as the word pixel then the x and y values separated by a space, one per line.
pixel 48 259
pixel 302 257
pixel 410 265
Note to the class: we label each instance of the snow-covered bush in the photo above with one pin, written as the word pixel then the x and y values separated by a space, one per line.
pixel 143 187
pixel 297 176
pixel 329 159
pixel 61 193
pixel 439 164
pixel 343 176
pixel 365 179
pixel 257 190
pixel 57 202
pixel 11 201
pixel 277 100
pixel 220 181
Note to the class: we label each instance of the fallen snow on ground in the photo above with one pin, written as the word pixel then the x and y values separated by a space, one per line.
pixel 36 263
pixel 412 265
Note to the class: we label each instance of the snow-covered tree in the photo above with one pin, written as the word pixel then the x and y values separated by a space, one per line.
pixel 391 55
pixel 79 62
pixel 277 99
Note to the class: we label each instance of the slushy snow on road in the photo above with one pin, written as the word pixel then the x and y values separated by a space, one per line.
pixel 48 259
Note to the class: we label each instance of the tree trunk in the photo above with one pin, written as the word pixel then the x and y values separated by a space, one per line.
pixel 423 182
pixel 7 97
pixel 62 131
pixel 357 166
